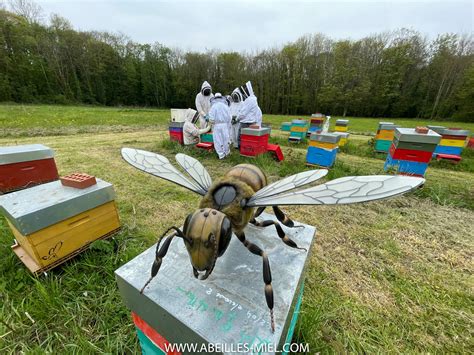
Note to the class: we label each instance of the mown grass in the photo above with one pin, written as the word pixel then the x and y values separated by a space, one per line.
pixel 37 120
pixel 388 276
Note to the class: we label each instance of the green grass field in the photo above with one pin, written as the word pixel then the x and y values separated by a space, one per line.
pixel 391 276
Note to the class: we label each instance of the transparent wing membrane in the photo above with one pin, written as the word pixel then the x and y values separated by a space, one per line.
pixel 196 170
pixel 290 183
pixel 352 189
pixel 159 166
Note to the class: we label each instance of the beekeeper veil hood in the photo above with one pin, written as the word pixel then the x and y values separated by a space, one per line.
pixel 236 95
pixel 206 89
pixel 246 90
pixel 191 115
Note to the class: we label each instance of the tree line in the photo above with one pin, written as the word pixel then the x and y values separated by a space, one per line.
pixel 392 74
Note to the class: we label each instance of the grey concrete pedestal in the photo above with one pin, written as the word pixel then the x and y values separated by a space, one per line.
pixel 229 307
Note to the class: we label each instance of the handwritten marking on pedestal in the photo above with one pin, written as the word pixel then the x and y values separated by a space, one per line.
pixel 225 316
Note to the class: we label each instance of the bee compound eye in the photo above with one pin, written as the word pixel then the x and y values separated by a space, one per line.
pixel 224 195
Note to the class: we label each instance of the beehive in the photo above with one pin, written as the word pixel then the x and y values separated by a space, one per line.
pixel 286 126
pixel 178 114
pixel 452 142
pixel 316 123
pixel 384 136
pixel 254 141
pixel 298 131
pixel 23 166
pixel 341 125
pixel 207 138
pixel 52 222
pixel 322 149
pixel 411 152
pixel 176 131
pixel 344 138
pixel 229 307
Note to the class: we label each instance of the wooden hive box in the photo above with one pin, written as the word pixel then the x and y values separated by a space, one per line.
pixel 52 223
pixel 23 166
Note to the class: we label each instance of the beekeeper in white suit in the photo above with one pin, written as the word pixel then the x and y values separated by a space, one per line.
pixel 203 103
pixel 250 113
pixel 191 133
pixel 220 117
pixel 235 107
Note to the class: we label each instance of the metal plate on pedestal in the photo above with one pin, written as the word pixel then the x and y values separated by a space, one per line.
pixel 20 153
pixel 41 206
pixel 229 307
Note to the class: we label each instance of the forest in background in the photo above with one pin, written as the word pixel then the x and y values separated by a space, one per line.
pixel 392 74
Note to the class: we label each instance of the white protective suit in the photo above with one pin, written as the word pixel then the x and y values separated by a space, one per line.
pixel 220 116
pixel 250 112
pixel 190 132
pixel 203 104
pixel 235 107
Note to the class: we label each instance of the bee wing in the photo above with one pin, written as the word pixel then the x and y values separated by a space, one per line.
pixel 196 170
pixel 351 189
pixel 160 166
pixel 290 183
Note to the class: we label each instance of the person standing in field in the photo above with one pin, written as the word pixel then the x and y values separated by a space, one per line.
pixel 220 117
pixel 250 113
pixel 235 107
pixel 203 103
pixel 191 133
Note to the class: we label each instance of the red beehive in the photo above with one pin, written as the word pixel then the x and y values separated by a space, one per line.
pixel 23 166
pixel 254 141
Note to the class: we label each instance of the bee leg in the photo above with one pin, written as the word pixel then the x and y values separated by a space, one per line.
pixel 161 253
pixel 281 233
pixel 267 274
pixel 257 213
pixel 283 218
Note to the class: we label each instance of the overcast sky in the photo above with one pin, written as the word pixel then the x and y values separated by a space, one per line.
pixel 244 25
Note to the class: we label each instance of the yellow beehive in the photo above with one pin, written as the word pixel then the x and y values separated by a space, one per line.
pixel 295 128
pixel 452 142
pixel 51 230
pixel 385 134
pixel 340 128
pixel 325 145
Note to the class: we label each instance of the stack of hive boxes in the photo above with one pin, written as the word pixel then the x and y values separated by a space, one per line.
pixel 316 123
pixel 298 131
pixel 411 150
pixel 286 126
pixel 176 132
pixel 452 142
pixel 384 136
pixel 341 125
pixel 52 222
pixel 322 149
pixel 254 140
pixel 24 166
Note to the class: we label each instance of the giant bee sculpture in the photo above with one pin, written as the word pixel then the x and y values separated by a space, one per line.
pixel 228 205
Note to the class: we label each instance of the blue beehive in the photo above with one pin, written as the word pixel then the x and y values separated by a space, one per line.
pixel 321 156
